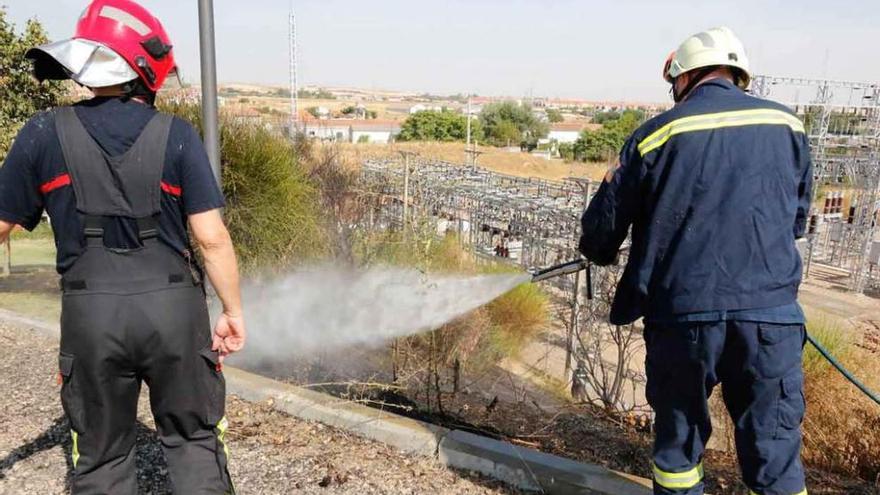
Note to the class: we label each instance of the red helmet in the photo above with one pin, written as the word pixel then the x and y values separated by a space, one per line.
pixel 132 32
pixel 667 65
pixel 115 42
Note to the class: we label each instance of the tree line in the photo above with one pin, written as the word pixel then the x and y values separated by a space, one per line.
pixel 510 124
pixel 499 124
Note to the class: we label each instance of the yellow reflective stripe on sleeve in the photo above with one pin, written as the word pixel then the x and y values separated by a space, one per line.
pixel 222 426
pixel 675 481
pixel 74 452
pixel 737 118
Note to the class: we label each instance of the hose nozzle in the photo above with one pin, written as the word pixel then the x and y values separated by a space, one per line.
pixel 559 270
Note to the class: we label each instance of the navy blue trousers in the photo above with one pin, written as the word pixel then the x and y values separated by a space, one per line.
pixel 760 368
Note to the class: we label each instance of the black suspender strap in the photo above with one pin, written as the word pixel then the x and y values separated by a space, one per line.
pixel 148 228
pixel 93 230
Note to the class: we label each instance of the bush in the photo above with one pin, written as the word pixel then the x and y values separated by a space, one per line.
pixel 517 318
pixel 273 210
pixel 21 96
pixel 513 319
pixel 842 427
pixel 437 126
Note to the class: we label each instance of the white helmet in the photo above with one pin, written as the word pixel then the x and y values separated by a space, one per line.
pixel 713 47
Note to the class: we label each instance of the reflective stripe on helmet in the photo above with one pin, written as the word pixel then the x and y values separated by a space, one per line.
pixel 125 19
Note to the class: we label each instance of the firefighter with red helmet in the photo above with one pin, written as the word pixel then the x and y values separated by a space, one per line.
pixel 122 183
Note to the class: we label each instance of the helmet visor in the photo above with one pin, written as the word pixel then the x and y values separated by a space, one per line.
pixel 89 63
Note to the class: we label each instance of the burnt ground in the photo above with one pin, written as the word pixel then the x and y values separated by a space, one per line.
pixel 271 453
pixel 587 434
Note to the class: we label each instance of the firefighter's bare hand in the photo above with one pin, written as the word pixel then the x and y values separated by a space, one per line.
pixel 229 334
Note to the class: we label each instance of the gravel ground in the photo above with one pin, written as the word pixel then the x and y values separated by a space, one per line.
pixel 271 453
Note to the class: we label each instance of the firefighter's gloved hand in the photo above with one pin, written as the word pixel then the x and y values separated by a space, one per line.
pixel 229 334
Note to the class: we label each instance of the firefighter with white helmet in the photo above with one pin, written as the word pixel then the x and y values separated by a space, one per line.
pixel 122 182
pixel 715 191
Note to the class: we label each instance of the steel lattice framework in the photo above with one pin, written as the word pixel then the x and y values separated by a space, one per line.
pixel 535 221
pixel 843 123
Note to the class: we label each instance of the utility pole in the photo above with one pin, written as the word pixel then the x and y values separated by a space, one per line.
pixel 470 149
pixel 574 319
pixel 469 122
pixel 210 117
pixel 406 157
pixel 572 324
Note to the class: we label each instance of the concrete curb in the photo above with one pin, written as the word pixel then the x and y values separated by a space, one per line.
pixel 405 434
pixel 525 468
pixel 533 470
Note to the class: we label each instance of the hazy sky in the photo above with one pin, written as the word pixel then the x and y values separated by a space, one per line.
pixel 596 49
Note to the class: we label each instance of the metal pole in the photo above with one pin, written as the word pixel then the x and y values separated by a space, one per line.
pixel 210 122
pixel 405 194
pixel 573 323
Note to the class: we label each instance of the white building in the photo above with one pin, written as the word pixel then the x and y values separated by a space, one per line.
pixel 328 130
pixel 351 130
pixel 568 132
pixel 374 131
pixel 421 107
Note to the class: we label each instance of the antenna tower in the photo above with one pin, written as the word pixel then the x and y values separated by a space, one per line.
pixel 294 110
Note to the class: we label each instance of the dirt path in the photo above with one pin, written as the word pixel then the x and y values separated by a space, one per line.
pixel 270 453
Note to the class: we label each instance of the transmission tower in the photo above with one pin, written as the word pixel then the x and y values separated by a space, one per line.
pixel 294 110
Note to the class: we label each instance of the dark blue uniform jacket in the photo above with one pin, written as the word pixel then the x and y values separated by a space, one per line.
pixel 716 190
pixel 34 177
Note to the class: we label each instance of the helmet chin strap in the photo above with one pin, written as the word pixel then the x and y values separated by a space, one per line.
pixel 696 78
pixel 137 89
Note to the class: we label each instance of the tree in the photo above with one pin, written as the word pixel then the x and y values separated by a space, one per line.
pixel 21 96
pixel 313 111
pixel 437 126
pixel 603 117
pixel 508 123
pixel 554 116
pixel 603 144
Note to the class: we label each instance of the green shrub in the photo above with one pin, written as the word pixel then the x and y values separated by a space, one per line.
pixel 517 318
pixel 272 208
pixel 832 336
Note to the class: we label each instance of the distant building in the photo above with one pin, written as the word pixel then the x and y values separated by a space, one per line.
pixel 351 130
pixel 322 112
pixel 327 130
pixel 568 132
pixel 421 107
pixel 374 131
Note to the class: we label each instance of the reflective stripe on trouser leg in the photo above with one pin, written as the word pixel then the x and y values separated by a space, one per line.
pixel 222 427
pixel 802 492
pixel 679 481
pixel 74 451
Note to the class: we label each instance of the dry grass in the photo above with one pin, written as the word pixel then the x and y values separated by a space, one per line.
pixel 842 426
